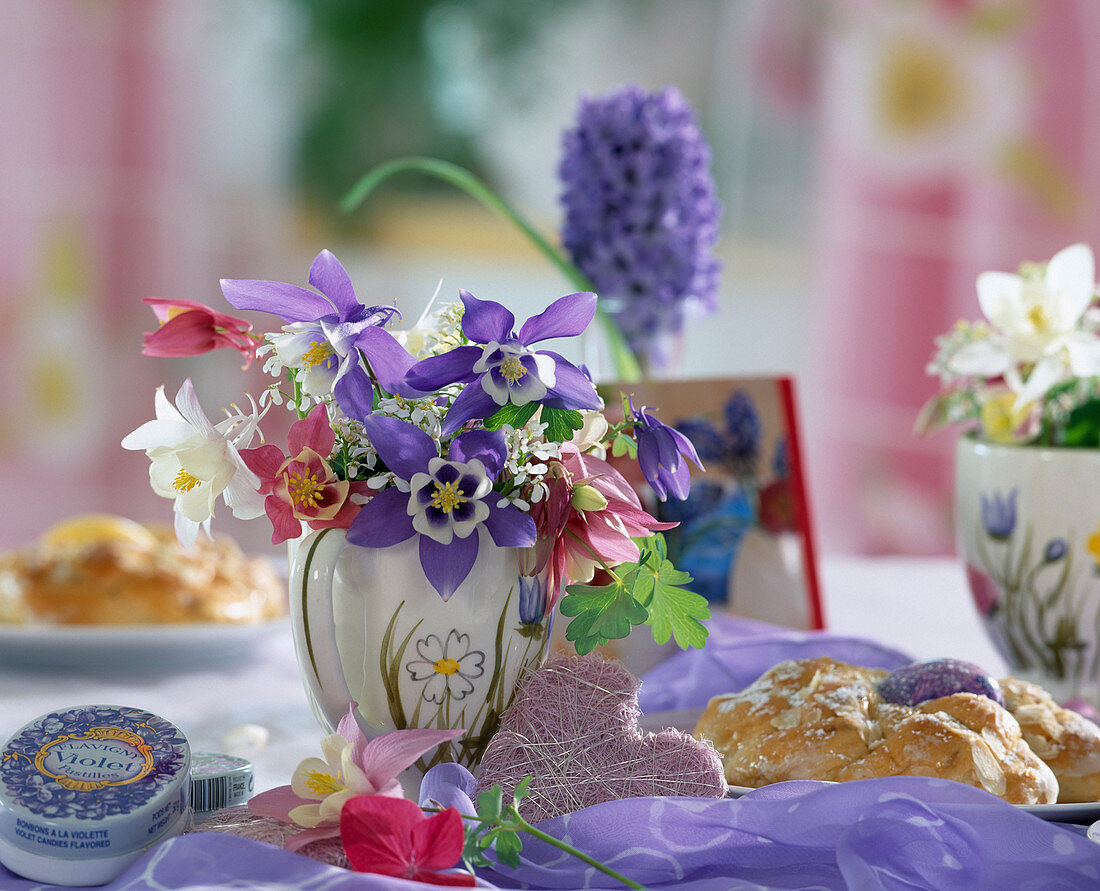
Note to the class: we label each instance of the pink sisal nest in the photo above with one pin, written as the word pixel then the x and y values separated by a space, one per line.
pixel 573 728
pixel 238 821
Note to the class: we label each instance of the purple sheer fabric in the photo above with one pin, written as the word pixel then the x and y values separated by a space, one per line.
pixel 892 833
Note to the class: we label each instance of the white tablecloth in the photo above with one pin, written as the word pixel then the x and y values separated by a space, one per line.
pixel 917 605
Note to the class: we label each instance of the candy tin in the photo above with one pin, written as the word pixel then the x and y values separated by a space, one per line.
pixel 219 781
pixel 85 790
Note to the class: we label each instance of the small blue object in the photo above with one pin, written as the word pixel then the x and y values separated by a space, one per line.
pixel 921 681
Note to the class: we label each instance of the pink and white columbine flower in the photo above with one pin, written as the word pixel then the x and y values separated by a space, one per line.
pixel 194 461
pixel 303 488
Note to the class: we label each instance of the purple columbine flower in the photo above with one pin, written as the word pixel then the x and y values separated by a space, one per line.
pixel 502 368
pixel 447 502
pixel 663 455
pixel 332 331
pixel 641 212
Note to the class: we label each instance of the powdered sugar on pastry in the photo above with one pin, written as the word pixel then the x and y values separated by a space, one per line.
pixel 823 719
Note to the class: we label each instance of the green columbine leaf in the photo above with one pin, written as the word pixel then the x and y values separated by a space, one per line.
pixel 602 612
pixel 521 791
pixel 678 612
pixel 508 846
pixel 490 803
pixel 674 611
pixel 561 423
pixel 624 444
pixel 472 850
pixel 513 415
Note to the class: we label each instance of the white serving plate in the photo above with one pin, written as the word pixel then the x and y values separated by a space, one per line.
pixel 1069 812
pixel 107 646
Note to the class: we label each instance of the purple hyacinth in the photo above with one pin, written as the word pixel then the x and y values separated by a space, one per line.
pixel 500 368
pixel 446 503
pixel 641 212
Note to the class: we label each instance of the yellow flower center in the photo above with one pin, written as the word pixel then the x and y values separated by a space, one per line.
pixel 1001 418
pixel 318 353
pixel 447 497
pixel 1092 545
pixel 445 666
pixel 323 783
pixel 512 369
pixel 1039 318
pixel 918 89
pixel 184 482
pixel 305 491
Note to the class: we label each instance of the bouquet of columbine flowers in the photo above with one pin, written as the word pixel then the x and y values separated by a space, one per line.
pixel 459 425
pixel 1030 373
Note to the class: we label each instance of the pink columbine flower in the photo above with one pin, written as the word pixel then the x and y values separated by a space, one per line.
pixel 304 488
pixel 600 533
pixel 188 328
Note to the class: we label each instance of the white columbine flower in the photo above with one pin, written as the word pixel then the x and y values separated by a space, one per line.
pixel 1036 318
pixel 434 333
pixel 590 438
pixel 318 357
pixel 330 782
pixel 194 461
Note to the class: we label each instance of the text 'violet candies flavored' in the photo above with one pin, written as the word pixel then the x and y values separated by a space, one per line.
pixel 84 791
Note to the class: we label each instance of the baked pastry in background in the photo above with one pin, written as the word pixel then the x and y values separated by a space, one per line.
pixel 101 569
pixel 822 719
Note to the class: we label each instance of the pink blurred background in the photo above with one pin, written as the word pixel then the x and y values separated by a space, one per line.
pixel 873 159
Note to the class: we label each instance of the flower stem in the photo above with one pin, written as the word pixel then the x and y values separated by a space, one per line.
pixel 297 397
pixel 518 822
pixel 580 855
pixel 626 363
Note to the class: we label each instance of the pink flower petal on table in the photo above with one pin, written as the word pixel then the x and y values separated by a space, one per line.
pixel 303 838
pixel 276 803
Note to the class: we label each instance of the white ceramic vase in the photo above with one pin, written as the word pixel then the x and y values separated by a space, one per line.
pixel 1028 527
pixel 369 629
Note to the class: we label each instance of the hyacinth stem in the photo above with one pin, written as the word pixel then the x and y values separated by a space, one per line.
pixel 626 363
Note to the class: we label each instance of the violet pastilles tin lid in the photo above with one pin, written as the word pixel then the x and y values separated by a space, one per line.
pixel 85 790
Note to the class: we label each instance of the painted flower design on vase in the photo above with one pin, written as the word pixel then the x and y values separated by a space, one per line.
pixel 446 668
pixel 1023 536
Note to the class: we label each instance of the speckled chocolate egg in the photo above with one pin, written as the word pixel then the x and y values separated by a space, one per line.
pixel 920 681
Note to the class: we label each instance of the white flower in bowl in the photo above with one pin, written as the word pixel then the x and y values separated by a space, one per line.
pixel 1037 336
